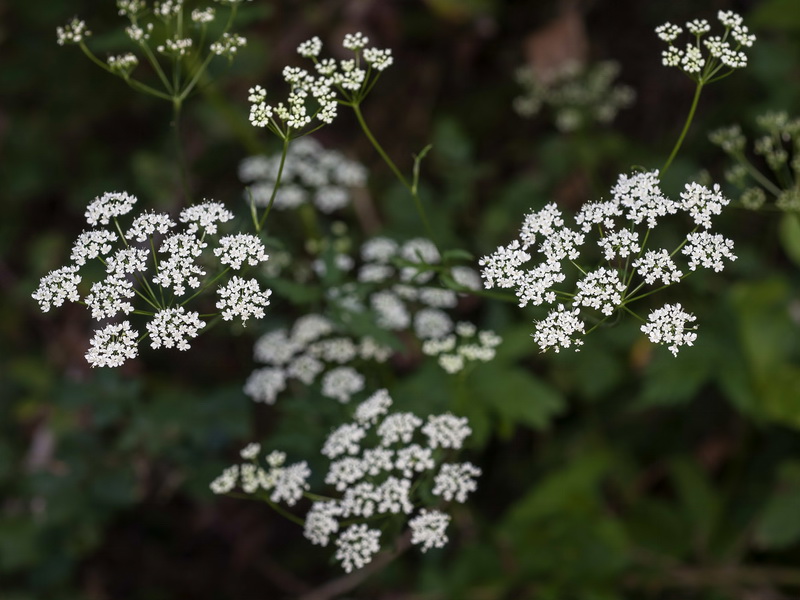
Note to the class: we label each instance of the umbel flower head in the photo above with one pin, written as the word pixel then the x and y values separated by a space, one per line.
pixel 630 269
pixel 155 270
pixel 707 57
pixel 314 96
pixel 383 465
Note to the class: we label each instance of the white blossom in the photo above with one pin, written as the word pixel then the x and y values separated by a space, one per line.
pixel 234 250
pixel 108 206
pixel 264 385
pixel 341 383
pixel 356 546
pixel 172 327
pixel 559 329
pixel 398 427
pixel 428 529
pixel 109 297
pixel 58 286
pixel 205 216
pixel 343 439
pixel 707 250
pixel 112 345
pixel 242 298
pixel 92 244
pixel 456 481
pixel 446 431
pixel 374 407
pixel 667 325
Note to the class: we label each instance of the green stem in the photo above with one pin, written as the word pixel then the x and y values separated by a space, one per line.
pixel 378 147
pixel 410 186
pixel 284 151
pixel 686 126
pixel 182 167
pixel 758 175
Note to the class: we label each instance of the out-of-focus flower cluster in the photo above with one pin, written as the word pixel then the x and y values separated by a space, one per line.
pixel 314 96
pixel 779 146
pixel 311 174
pixel 631 268
pixel 707 56
pixel 312 350
pixel 383 465
pixel 395 283
pixel 155 268
pixel 578 94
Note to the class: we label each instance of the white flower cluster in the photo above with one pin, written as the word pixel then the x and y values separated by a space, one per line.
pixel 637 203
pixel 312 350
pixel 158 265
pixel 578 94
pixel 348 77
pixel 311 173
pixel 228 44
pixel 467 344
pixel 379 464
pixel 124 63
pixel 704 57
pixel 283 483
pixel 74 32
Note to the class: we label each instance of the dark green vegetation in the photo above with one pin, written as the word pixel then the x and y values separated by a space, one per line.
pixel 618 472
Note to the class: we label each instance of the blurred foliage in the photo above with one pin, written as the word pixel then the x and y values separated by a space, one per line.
pixel 616 472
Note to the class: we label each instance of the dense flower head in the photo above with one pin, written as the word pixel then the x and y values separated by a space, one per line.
pixel 172 327
pixel 622 225
pixel 667 325
pixel 109 205
pixel 112 345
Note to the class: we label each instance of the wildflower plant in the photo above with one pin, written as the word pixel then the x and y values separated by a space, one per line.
pixel 632 268
pixel 385 467
pixel 707 58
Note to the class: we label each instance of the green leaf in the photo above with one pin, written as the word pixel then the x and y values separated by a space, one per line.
pixel 517 397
